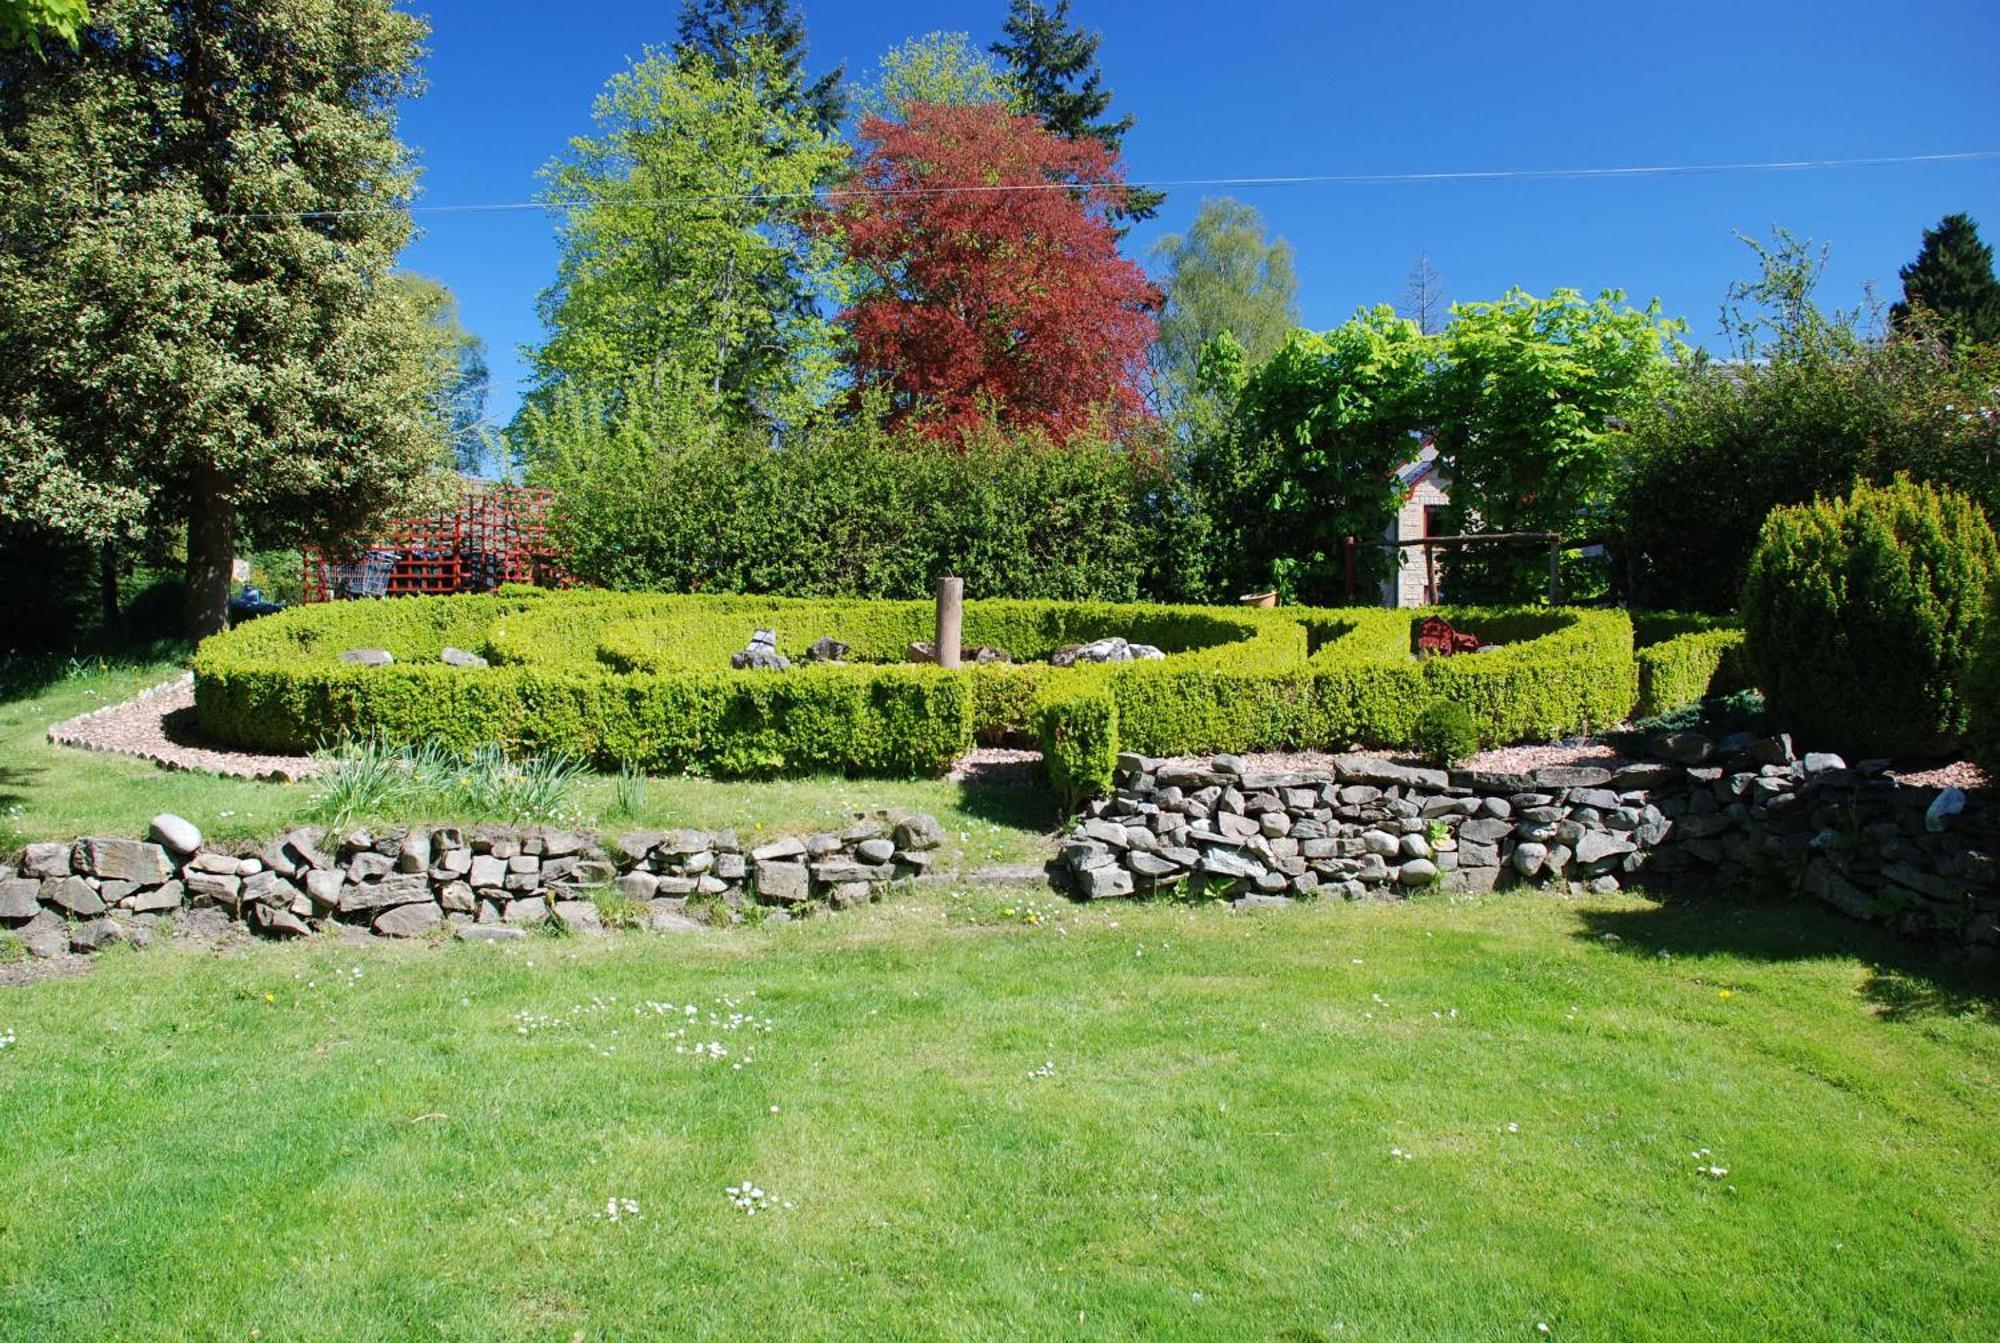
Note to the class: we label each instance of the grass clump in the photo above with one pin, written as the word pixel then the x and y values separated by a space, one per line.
pixel 368 779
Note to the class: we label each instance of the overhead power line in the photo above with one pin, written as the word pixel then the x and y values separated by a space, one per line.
pixel 837 194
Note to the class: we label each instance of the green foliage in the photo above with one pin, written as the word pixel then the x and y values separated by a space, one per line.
pixel 1982 690
pixel 943 69
pixel 648 497
pixel 181 343
pixel 640 681
pixel 1525 413
pixel 1810 407
pixel 1053 64
pixel 762 43
pixel 461 379
pixel 1221 276
pixel 27 22
pixel 1445 735
pixel 1324 424
pixel 685 263
pixel 1684 659
pixel 1951 283
pixel 1862 616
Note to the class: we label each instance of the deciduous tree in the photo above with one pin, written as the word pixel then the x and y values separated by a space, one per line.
pixel 199 212
pixel 1222 275
pixel 683 252
pixel 944 69
pixel 984 290
pixel 29 21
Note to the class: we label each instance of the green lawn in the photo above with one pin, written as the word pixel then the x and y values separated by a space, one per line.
pixel 49 792
pixel 988 1115
pixel 317 1141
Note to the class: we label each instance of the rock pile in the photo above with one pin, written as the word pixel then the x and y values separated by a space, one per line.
pixel 761 655
pixel 484 882
pixel 1104 650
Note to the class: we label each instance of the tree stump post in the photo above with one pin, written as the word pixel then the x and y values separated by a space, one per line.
pixel 950 620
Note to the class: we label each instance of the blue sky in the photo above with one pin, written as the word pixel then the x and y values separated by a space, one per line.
pixel 1287 87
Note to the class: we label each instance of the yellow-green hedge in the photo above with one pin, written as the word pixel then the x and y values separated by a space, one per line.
pixel 1685 658
pixel 643 680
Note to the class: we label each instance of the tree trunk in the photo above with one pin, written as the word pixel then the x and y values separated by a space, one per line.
pixel 211 554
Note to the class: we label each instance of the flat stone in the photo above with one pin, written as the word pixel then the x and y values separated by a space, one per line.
pixel 579 916
pixel 490 932
pixel 403 889
pixel 1485 830
pixel 487 872
pixel 215 888
pixel 1571 776
pixel 457 898
pixel 1492 781
pixel 370 866
pixel 1600 846
pixel 73 894
pixel 219 864
pixel 1382 773
pixel 458 657
pixel 323 888
pixel 1645 775
pixel 1084 855
pixel 1683 748
pixel 413 920
pixel 20 898
pixel 791 846
pixel 367 657
pixel 175 834
pixel 681 923
pixel 1821 762
pixel 131 860
pixel 1101 883
pixel 1224 863
pixel 1151 865
pixel 279 922
pixel 1260 900
pixel 782 883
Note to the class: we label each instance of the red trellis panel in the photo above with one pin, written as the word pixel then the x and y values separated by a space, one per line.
pixel 497 534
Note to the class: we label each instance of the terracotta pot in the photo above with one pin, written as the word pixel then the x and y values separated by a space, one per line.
pixel 1264 599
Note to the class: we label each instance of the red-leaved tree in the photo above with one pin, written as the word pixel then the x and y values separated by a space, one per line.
pixel 987 300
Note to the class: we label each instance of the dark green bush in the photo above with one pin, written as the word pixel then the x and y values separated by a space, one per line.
pixel 1445 735
pixel 1862 615
pixel 1982 691
pixel 841 509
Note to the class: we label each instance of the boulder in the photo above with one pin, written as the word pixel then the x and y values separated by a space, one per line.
pixel 458 657
pixel 367 657
pixel 96 934
pixel 1683 748
pixel 782 883
pixel 278 922
pixel 827 649
pixel 875 851
pixel 46 860
pixel 173 833
pixel 531 910
pixel 919 831
pixel 1101 883
pixel 579 916
pixel 1418 872
pixel 20 898
pixel 760 654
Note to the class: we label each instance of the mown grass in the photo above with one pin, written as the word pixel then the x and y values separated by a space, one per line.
pixel 49 792
pixel 321 1141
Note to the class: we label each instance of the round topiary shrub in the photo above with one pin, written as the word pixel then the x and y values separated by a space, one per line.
pixel 1862 615
pixel 1446 734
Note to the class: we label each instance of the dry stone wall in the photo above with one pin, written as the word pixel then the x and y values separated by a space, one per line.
pixel 478 883
pixel 1733 815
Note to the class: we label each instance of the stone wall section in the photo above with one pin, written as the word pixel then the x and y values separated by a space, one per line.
pixel 1739 814
pixel 480 883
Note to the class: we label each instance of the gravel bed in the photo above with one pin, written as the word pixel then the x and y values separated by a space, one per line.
pixel 159 725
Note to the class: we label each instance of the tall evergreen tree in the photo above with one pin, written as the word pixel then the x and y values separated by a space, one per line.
pixel 1053 62
pixel 1952 280
pixel 199 216
pixel 719 30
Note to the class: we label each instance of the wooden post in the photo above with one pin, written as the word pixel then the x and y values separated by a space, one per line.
pixel 950 620
pixel 1555 571
pixel 1347 550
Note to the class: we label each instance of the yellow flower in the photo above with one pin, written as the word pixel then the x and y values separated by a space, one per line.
pixel 1725 994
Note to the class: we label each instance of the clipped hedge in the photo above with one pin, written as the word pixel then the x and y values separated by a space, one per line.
pixel 643 680
pixel 1685 658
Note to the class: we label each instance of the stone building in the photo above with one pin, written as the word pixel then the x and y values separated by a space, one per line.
pixel 1418 580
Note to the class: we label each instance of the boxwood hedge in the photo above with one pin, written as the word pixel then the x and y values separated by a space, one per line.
pixel 1685 658
pixel 643 680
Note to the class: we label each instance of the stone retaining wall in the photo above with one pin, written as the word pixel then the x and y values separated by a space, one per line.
pixel 482 882
pixel 1738 814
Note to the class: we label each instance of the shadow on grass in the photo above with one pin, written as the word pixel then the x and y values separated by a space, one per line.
pixel 27 676
pixel 1015 805
pixel 1906 980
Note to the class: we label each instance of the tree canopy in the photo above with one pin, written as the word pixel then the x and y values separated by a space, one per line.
pixel 27 22
pixel 1011 300
pixel 1053 63
pixel 722 31
pixel 1222 275
pixel 684 258
pixel 943 69
pixel 1952 283
pixel 181 344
